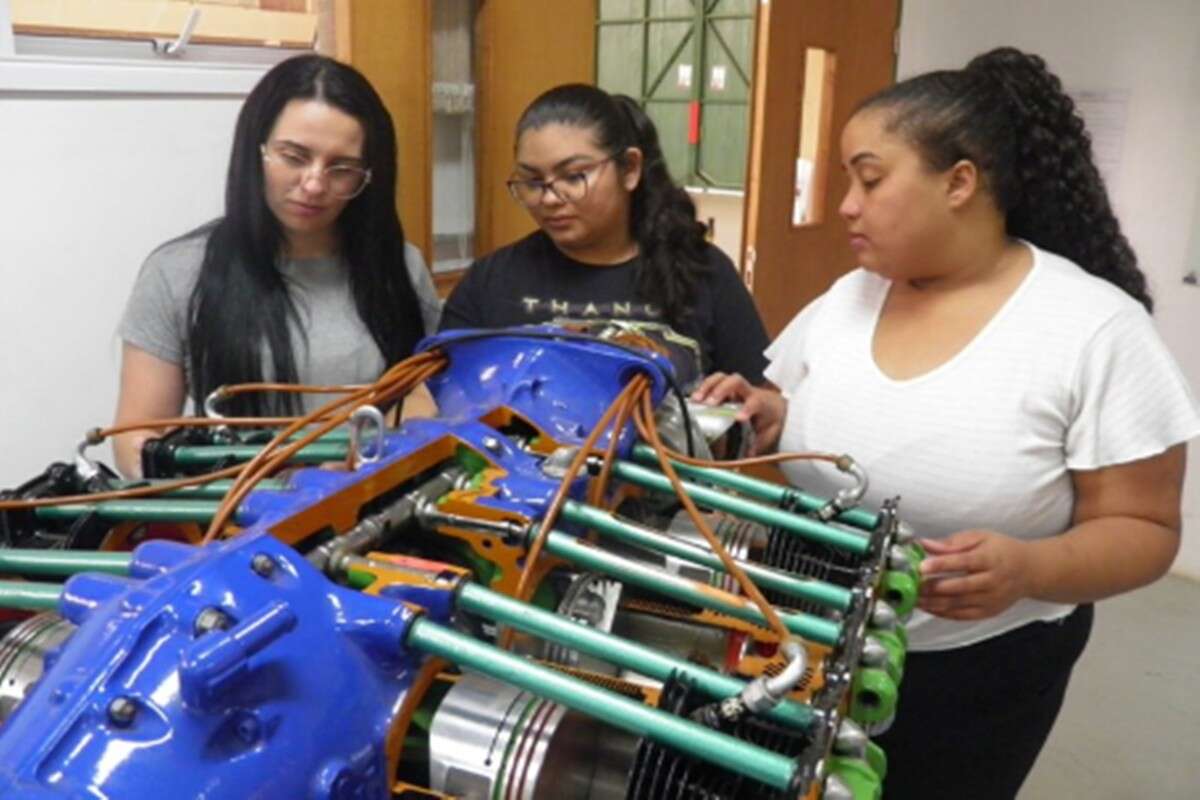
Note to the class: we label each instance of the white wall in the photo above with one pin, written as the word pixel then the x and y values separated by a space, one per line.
pixel 91 183
pixel 1152 50
pixel 725 212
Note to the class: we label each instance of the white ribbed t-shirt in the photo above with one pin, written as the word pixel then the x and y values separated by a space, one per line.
pixel 1070 374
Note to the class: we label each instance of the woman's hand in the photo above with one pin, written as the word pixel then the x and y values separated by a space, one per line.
pixel 1125 534
pixel 765 409
pixel 973 574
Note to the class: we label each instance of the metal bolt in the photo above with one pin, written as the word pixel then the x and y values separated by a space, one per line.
pixel 836 789
pixel 851 740
pixel 555 465
pixel 492 445
pixel 121 712
pixel 248 729
pixel 874 654
pixel 212 619
pixel 837 679
pixel 884 616
pixel 898 559
pixel 263 565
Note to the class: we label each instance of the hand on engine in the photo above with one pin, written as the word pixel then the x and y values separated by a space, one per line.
pixel 973 574
pixel 763 408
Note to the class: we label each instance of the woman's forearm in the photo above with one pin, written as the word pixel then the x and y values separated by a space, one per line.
pixel 1100 558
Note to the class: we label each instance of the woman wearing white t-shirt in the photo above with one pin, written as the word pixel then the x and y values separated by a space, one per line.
pixel 994 363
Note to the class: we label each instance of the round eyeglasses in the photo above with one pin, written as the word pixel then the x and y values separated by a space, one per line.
pixel 342 180
pixel 569 188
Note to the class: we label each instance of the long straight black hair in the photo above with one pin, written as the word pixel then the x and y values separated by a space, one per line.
pixel 662 218
pixel 1008 114
pixel 241 301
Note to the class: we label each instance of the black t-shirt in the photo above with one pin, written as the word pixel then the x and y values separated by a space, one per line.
pixel 532 281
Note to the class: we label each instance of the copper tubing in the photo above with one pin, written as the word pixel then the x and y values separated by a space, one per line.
pixel 395 382
pixel 388 385
pixel 774 458
pixel 731 567
pixel 98 435
pixel 122 494
pixel 627 397
pixel 234 389
pixel 600 484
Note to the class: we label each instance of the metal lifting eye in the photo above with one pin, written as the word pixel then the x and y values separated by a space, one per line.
pixel 363 417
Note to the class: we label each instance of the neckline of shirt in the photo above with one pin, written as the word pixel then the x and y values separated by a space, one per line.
pixel 311 262
pixel 964 353
pixel 584 265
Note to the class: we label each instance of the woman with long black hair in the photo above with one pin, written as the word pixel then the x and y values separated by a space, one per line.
pixel 306 278
pixel 993 361
pixel 617 240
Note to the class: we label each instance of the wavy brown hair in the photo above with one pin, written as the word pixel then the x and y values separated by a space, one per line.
pixel 1008 114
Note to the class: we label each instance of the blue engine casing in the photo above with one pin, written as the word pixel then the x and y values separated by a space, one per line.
pixel 293 699
pixel 239 670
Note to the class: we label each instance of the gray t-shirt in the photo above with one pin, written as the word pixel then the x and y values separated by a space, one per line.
pixel 333 345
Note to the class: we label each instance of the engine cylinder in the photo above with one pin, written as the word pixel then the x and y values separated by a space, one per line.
pixel 23 656
pixel 489 739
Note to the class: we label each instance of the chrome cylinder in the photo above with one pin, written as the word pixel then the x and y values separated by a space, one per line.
pixel 742 539
pixel 489 739
pixel 23 655
pixel 591 599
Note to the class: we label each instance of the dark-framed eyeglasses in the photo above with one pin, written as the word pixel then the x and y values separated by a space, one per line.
pixel 569 188
pixel 343 180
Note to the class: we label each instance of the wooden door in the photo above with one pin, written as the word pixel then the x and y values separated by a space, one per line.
pixel 815 61
pixel 525 47
pixel 389 42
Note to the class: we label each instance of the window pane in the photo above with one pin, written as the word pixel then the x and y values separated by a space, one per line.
pixel 621 9
pixel 619 58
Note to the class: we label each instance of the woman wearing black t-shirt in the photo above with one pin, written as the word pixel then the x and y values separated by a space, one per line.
pixel 617 240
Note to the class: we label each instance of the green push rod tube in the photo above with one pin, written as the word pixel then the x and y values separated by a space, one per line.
pixel 641 659
pixel 206 455
pixel 30 561
pixel 747 509
pixel 136 510
pixel 642 720
pixel 215 490
pixel 758 489
pixel 607 524
pixel 688 591
pixel 29 596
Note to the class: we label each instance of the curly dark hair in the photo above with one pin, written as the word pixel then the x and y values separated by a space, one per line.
pixel 662 218
pixel 1007 113
pixel 241 299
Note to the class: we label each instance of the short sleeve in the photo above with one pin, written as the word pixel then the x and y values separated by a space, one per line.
pixel 1129 399
pixel 788 364
pixel 155 320
pixel 422 283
